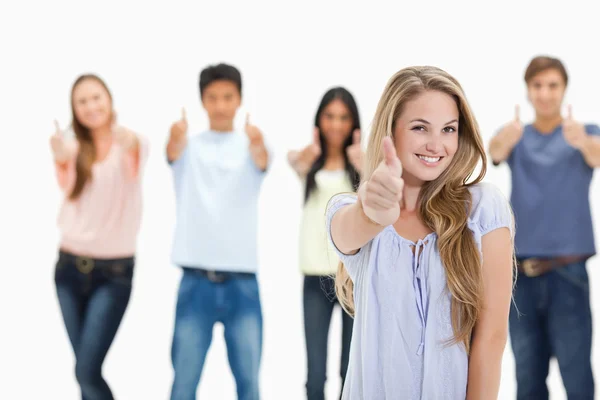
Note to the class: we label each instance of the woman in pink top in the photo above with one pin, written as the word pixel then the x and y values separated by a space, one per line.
pixel 99 172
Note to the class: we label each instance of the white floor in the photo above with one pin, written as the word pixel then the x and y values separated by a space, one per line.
pixel 37 362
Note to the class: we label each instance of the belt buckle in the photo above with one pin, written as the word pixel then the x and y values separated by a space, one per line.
pixel 529 267
pixel 84 264
pixel 214 276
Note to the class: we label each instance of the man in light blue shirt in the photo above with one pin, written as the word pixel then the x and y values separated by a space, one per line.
pixel 551 161
pixel 218 176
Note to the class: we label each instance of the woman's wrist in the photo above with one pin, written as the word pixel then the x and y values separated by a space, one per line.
pixel 364 215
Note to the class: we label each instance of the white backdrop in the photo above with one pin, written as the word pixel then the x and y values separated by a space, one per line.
pixel 289 56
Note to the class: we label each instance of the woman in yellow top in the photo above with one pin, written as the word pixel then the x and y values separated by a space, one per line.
pixel 328 166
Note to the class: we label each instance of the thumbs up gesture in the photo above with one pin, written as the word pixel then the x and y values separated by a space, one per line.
pixel 354 151
pixel 301 161
pixel 380 196
pixel 513 131
pixel 58 145
pixel 179 129
pixel 254 134
pixel 573 132
pixel 125 137
pixel 257 147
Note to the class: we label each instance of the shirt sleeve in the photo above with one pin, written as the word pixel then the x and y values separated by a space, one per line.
pixel 491 210
pixel 592 129
pixel 178 165
pixel 352 262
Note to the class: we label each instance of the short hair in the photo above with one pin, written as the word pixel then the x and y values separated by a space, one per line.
pixel 543 63
pixel 220 72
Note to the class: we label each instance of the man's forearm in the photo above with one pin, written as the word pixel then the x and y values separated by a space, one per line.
pixel 260 156
pixel 500 149
pixel 591 151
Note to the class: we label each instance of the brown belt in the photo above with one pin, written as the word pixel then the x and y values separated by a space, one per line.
pixel 532 267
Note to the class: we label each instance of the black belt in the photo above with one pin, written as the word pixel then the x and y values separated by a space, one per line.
pixel 86 264
pixel 219 276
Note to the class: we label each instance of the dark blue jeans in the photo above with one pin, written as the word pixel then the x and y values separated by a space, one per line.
pixel 93 296
pixel 202 302
pixel 555 321
pixel 319 301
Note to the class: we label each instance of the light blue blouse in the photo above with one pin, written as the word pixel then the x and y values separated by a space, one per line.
pixel 399 346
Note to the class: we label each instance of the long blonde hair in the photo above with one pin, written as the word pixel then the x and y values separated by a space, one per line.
pixel 445 203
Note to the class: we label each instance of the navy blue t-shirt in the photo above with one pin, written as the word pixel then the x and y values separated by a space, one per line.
pixel 550 195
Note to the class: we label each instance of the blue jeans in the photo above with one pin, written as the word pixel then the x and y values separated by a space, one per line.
pixel 319 300
pixel 93 296
pixel 201 303
pixel 555 320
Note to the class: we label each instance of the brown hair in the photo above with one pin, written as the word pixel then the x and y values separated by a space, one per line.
pixel 543 63
pixel 87 149
pixel 445 203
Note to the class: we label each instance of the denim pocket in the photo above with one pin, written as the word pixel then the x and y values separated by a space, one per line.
pixel 60 268
pixel 188 282
pixel 120 272
pixel 575 274
pixel 248 288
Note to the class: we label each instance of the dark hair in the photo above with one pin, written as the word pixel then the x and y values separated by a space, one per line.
pixel 336 93
pixel 220 72
pixel 543 63
pixel 87 149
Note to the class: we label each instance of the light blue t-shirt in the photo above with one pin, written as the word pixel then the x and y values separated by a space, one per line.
pixel 550 195
pixel 402 310
pixel 217 188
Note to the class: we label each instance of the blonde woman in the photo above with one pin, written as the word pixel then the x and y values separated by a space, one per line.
pixel 427 257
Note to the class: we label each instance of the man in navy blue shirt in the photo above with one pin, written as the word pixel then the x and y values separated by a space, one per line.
pixel 551 161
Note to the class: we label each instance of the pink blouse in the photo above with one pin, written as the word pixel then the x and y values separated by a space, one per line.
pixel 103 222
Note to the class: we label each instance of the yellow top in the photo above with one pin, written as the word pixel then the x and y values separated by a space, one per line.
pixel 317 256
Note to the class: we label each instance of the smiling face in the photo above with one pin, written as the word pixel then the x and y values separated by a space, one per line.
pixel 221 100
pixel 336 123
pixel 426 136
pixel 546 91
pixel 92 104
